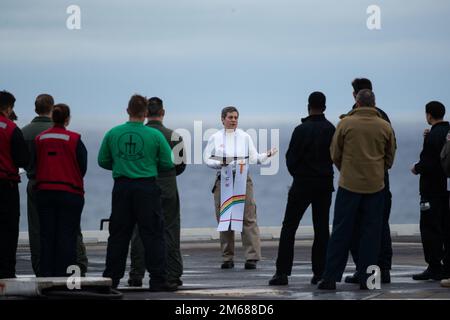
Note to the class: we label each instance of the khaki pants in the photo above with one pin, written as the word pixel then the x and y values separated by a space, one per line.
pixel 250 230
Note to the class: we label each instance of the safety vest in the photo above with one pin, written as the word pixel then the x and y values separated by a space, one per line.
pixel 57 166
pixel 8 171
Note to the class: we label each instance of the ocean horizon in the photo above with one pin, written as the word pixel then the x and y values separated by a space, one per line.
pixel 197 206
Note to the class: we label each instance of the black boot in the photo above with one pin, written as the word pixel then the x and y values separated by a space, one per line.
pixel 165 286
pixel 135 282
pixel 354 278
pixel 385 276
pixel 327 285
pixel 429 274
pixel 250 264
pixel 176 281
pixel 315 279
pixel 115 283
pixel 279 279
pixel 227 265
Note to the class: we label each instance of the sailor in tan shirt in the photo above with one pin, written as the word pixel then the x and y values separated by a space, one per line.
pixel 363 148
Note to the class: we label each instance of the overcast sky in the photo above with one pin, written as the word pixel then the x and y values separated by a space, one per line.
pixel 262 56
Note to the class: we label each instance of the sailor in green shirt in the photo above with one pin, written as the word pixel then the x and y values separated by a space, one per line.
pixel 170 204
pixel 136 154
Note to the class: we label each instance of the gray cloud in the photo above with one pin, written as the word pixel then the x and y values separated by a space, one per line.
pixel 193 29
pixel 203 53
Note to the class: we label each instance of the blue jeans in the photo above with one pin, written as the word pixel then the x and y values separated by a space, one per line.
pixel 349 208
pixel 385 255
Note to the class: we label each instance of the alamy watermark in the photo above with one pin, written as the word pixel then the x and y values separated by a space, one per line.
pixel 74 280
pixel 195 146
pixel 73 21
pixel 374 20
pixel 374 280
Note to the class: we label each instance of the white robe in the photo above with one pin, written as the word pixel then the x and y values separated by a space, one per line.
pixel 232 191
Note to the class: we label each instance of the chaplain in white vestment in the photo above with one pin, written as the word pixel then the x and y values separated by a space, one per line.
pixel 230 151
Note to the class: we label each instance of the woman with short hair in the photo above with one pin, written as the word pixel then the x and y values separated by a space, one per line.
pixel 61 163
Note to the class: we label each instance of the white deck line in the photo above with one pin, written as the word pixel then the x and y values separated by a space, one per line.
pixel 207 234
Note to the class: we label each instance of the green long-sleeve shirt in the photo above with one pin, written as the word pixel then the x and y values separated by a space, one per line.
pixel 133 150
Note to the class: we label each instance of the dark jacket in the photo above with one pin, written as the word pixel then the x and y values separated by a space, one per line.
pixel 445 156
pixel 433 181
pixel 308 157
pixel 30 132
pixel 175 141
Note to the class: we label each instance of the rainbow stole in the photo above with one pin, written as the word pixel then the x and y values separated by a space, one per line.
pixel 232 197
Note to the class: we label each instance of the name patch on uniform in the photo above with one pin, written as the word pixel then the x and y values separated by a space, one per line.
pixel 3 125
